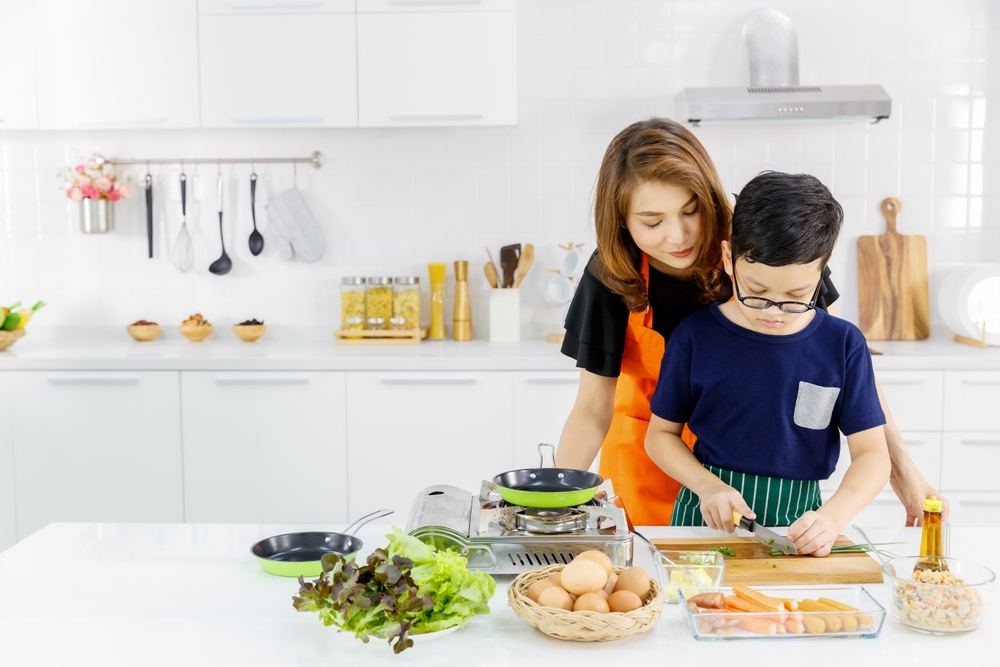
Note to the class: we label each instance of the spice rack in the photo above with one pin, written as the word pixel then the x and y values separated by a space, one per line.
pixel 387 337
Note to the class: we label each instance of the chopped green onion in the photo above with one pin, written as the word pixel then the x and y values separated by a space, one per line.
pixel 769 541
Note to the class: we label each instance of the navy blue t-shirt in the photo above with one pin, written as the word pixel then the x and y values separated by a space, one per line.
pixel 768 405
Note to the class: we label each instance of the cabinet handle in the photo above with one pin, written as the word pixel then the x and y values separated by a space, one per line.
pixel 127 121
pixel 232 381
pixel 553 380
pixel 277 119
pixel 431 3
pixel 988 443
pixel 910 443
pixel 428 381
pixel 270 4
pixel 85 380
pixel 980 503
pixel 899 381
pixel 980 381
pixel 435 117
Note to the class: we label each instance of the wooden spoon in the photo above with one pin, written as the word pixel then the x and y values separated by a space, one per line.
pixel 491 271
pixel 524 263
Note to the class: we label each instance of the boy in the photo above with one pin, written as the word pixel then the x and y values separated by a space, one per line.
pixel 766 380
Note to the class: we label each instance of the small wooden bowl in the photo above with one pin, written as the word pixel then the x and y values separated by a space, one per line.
pixel 8 338
pixel 249 332
pixel 196 332
pixel 143 332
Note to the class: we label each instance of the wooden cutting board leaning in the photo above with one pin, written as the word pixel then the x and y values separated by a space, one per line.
pixel 753 564
pixel 892 282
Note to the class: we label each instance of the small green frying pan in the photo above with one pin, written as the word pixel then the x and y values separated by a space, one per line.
pixel 547 487
pixel 299 554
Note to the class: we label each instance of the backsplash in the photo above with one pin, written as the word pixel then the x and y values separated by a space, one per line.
pixel 390 201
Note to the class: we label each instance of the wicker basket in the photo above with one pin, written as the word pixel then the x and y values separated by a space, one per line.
pixel 8 338
pixel 581 626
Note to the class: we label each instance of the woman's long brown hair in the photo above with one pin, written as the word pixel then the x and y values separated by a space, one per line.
pixel 657 150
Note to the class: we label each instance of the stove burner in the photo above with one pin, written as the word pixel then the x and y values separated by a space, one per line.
pixel 550 521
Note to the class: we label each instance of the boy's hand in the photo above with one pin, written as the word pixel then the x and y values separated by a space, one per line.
pixel 814 533
pixel 717 507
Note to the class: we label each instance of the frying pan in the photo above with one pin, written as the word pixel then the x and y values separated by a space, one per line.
pixel 547 487
pixel 299 554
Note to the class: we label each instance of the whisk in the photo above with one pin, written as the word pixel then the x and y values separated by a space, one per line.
pixel 183 254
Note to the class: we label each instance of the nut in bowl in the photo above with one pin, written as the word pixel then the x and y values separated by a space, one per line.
pixel 196 328
pixel 591 616
pixel 949 598
pixel 250 330
pixel 143 331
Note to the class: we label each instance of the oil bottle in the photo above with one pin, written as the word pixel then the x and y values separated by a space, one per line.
pixel 932 549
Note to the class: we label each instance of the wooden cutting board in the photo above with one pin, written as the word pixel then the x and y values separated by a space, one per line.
pixel 892 282
pixel 754 565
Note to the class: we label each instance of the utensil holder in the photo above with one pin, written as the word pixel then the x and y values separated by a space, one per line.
pixel 505 315
pixel 96 216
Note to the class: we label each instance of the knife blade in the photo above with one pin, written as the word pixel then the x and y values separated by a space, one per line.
pixel 764 535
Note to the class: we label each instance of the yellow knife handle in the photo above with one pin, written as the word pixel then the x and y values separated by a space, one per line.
pixel 736 517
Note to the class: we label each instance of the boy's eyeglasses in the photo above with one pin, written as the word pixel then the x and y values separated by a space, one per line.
pixel 760 303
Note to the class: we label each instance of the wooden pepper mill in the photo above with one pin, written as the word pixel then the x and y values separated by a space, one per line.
pixel 462 329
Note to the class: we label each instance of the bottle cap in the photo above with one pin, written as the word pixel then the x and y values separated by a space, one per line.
pixel 932 504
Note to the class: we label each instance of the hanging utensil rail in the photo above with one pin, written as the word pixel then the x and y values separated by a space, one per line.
pixel 316 160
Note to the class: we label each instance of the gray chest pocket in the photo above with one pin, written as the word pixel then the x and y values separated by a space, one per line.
pixel 814 406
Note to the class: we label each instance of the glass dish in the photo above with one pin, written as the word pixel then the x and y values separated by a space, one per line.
pixel 728 625
pixel 691 571
pixel 947 608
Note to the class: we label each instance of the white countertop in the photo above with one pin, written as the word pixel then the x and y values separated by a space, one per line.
pixel 189 594
pixel 313 349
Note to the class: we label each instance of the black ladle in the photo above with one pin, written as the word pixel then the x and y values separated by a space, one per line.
pixel 221 266
pixel 256 240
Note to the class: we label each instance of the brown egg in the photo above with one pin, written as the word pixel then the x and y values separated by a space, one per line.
pixel 591 602
pixel 583 576
pixel 598 557
pixel 624 601
pixel 609 587
pixel 556 578
pixel 554 596
pixel 536 588
pixel 634 579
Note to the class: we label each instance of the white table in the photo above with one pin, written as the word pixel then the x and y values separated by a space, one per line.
pixel 187 594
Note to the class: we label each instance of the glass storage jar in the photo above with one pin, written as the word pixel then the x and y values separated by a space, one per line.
pixel 406 301
pixel 378 302
pixel 352 304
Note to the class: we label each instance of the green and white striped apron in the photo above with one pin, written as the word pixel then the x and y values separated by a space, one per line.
pixel 775 501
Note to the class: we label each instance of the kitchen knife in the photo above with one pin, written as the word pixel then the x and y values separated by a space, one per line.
pixel 764 535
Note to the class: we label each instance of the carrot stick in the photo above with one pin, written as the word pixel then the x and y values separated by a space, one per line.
pixel 759 625
pixel 777 615
pixel 747 593
pixel 789 603
pixel 794 627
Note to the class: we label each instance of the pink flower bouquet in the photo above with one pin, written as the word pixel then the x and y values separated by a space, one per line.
pixel 95 179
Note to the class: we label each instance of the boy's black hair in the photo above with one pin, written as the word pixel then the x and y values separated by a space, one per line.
pixel 783 219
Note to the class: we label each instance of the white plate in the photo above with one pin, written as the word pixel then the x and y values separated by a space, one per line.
pixel 431 636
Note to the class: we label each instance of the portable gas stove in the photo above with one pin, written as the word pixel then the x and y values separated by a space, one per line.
pixel 508 539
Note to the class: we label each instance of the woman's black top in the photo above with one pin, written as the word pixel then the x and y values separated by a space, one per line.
pixel 598 318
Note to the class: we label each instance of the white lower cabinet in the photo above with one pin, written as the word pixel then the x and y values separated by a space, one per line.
pixel 410 430
pixel 975 509
pixel 971 461
pixel 95 446
pixel 884 511
pixel 265 447
pixel 542 402
pixel 924 448
pixel 8 519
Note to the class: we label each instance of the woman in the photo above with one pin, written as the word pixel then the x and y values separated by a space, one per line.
pixel 661 215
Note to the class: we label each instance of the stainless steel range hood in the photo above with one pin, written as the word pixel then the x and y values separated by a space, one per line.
pixel 774 92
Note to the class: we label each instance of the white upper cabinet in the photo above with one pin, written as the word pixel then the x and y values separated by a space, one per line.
pixel 273 65
pixel 436 62
pixel 116 63
pixel 18 96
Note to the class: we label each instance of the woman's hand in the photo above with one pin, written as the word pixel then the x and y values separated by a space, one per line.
pixel 717 507
pixel 912 489
pixel 814 533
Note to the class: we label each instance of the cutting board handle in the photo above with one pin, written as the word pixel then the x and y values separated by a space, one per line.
pixel 890 209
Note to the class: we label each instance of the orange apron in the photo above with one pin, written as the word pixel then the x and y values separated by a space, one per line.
pixel 646 491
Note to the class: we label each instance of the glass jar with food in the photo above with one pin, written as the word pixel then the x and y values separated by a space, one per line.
pixel 352 303
pixel 406 301
pixel 378 302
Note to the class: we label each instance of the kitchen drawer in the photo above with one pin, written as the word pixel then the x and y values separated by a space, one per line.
pixel 971 399
pixel 975 509
pixel 8 520
pixel 924 448
pixel 244 7
pixel 96 446
pixel 413 6
pixel 970 460
pixel 914 398
pixel 264 447
pixel 884 511
pixel 410 430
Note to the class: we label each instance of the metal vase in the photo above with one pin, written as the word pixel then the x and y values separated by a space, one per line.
pixel 96 216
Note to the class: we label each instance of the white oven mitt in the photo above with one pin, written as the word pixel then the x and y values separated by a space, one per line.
pixel 279 232
pixel 299 225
